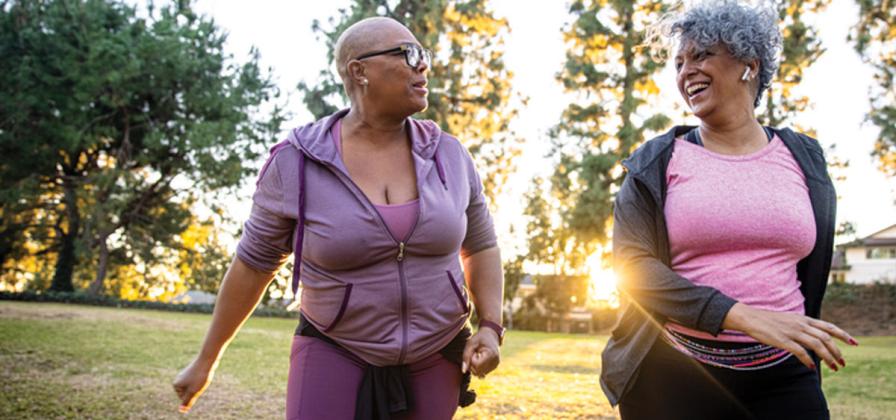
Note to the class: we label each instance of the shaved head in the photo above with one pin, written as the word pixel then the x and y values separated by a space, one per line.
pixel 364 36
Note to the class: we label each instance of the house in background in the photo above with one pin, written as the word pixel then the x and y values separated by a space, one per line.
pixel 525 289
pixel 866 260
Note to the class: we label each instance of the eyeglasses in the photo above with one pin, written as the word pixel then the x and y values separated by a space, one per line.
pixel 413 54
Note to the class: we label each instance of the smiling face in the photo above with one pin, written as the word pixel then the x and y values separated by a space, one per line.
pixel 392 87
pixel 710 81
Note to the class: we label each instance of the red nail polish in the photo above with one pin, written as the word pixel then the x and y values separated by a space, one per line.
pixel 842 362
pixel 812 366
pixel 853 342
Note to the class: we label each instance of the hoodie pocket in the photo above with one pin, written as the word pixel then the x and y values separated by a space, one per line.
pixel 326 307
pixel 464 302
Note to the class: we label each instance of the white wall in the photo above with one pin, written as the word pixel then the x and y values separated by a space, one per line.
pixel 855 255
pixel 863 270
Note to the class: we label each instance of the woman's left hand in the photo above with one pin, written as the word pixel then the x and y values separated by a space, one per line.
pixel 482 353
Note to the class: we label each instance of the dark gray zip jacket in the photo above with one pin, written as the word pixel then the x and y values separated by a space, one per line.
pixel 654 293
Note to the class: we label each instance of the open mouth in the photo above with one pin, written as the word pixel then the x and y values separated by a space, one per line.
pixel 420 87
pixel 694 89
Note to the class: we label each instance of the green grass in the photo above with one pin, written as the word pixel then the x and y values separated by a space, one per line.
pixel 69 361
pixel 866 388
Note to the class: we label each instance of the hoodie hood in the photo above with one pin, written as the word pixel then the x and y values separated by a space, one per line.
pixel 314 138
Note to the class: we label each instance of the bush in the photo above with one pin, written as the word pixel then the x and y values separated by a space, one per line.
pixel 861 309
pixel 841 293
pixel 83 298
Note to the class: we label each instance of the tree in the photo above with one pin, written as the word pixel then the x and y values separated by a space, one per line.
pixel 801 48
pixel 202 258
pixel 513 276
pixel 612 79
pixel 546 242
pixel 874 38
pixel 129 120
pixel 554 297
pixel 560 293
pixel 17 213
pixel 471 95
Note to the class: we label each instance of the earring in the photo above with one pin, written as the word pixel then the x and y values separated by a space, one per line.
pixel 364 82
pixel 746 75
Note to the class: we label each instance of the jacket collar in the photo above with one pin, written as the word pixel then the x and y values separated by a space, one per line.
pixel 648 163
pixel 315 139
pixel 647 154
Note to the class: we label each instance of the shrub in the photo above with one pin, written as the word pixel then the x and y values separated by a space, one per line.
pixel 83 298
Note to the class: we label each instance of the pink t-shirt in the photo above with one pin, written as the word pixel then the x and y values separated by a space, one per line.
pixel 399 218
pixel 739 224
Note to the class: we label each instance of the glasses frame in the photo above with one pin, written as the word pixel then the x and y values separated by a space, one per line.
pixel 412 52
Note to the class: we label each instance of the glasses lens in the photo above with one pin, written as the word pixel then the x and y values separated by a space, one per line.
pixel 414 54
pixel 412 57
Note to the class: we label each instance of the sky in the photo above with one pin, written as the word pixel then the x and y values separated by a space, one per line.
pixel 837 85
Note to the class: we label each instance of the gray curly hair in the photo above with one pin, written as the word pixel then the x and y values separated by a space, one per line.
pixel 749 33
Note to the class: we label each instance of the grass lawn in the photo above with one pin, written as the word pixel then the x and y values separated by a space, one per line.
pixel 68 361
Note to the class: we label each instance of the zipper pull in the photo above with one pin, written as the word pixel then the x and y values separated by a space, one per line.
pixel 400 251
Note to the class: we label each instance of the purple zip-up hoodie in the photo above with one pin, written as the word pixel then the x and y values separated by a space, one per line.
pixel 390 301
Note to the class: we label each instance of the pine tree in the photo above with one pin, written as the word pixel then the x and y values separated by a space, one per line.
pixel 874 37
pixel 115 124
pixel 801 48
pixel 611 76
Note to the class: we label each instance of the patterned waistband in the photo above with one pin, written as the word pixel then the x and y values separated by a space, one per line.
pixel 728 355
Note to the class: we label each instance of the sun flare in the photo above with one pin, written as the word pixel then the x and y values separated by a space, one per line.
pixel 602 285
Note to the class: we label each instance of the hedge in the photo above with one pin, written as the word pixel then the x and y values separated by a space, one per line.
pixel 84 298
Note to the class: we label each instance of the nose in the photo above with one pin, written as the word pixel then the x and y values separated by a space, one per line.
pixel 422 67
pixel 688 68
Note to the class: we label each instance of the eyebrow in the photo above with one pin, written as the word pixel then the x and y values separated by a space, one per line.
pixel 693 51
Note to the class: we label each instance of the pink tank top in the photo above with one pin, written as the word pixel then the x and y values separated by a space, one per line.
pixel 739 224
pixel 399 218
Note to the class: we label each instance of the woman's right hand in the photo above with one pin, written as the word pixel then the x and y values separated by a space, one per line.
pixel 191 382
pixel 793 332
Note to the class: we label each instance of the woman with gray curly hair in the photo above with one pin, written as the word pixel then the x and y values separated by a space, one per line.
pixel 723 235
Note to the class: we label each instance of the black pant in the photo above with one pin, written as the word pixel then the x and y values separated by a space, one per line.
pixel 671 385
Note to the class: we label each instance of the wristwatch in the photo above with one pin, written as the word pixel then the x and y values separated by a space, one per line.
pixel 494 326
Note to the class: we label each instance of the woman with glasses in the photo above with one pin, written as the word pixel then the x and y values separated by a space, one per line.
pixel 723 236
pixel 381 210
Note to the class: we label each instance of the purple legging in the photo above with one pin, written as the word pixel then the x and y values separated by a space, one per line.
pixel 324 380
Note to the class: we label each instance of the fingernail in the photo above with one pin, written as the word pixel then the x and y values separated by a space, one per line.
pixel 842 362
pixel 853 342
pixel 812 366
pixel 463 367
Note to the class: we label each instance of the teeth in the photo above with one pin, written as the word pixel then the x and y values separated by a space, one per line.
pixel 695 87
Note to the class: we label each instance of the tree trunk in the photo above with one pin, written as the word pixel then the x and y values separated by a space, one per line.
pixel 96 288
pixel 6 243
pixel 65 263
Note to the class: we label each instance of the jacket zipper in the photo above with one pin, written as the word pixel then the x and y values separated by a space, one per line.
pixel 404 284
pixel 400 257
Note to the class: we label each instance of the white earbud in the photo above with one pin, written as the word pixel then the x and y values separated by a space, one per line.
pixel 746 75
